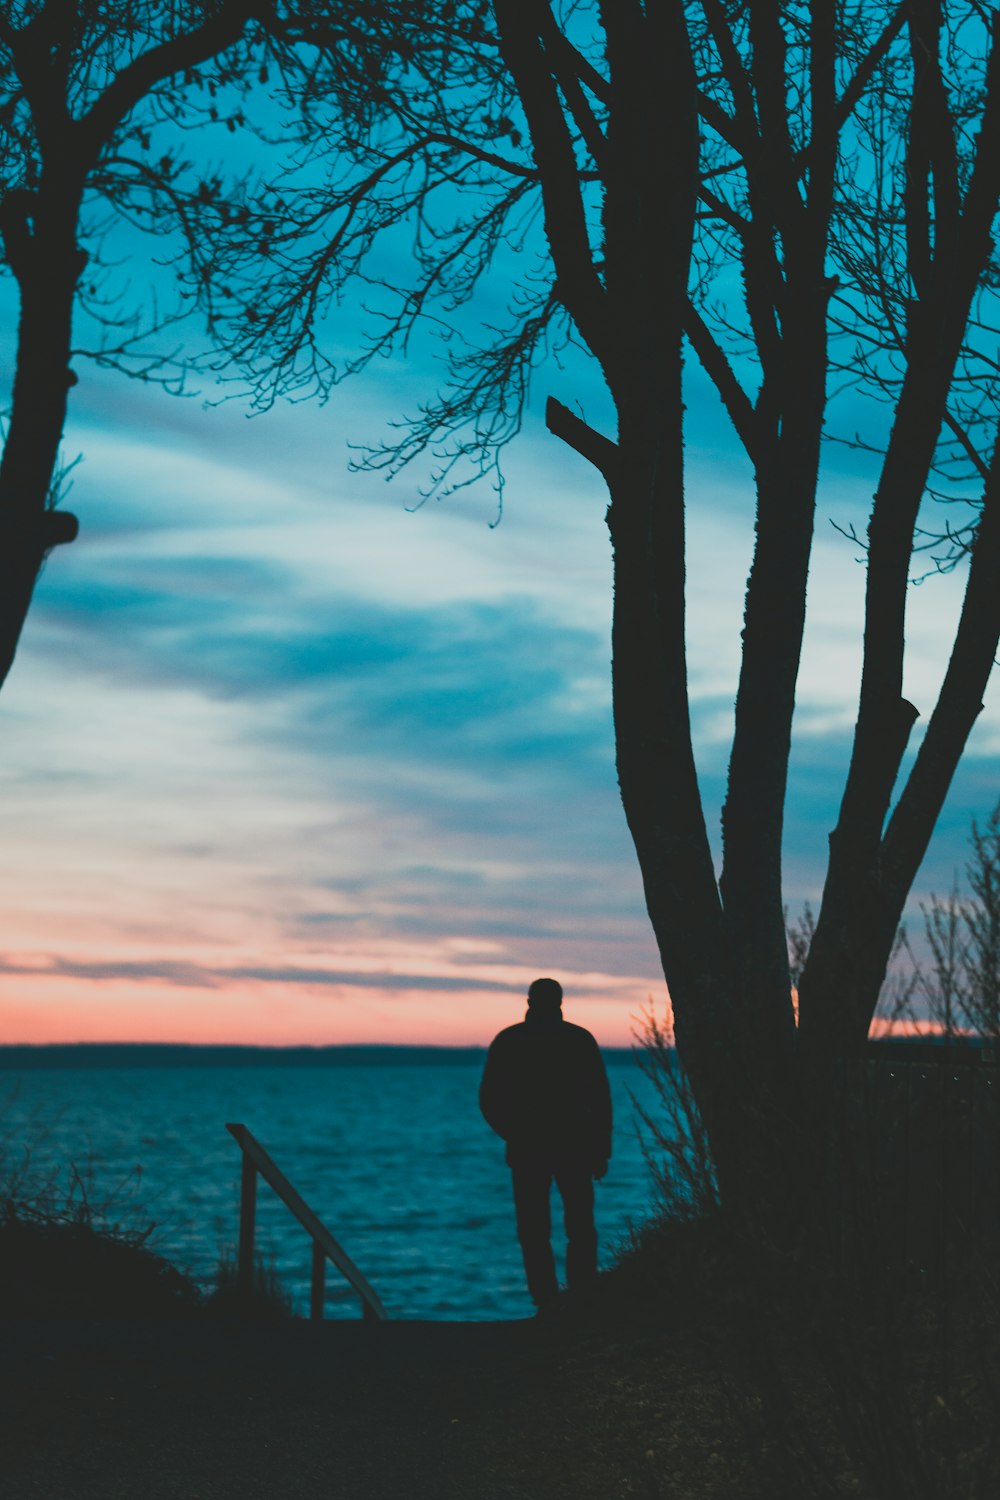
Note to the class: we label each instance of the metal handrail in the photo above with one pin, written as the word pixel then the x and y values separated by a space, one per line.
pixel 324 1246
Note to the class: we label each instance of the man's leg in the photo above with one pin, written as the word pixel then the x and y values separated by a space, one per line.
pixel 576 1185
pixel 532 1187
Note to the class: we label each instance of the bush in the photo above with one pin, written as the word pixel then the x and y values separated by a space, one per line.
pixel 54 1266
pixel 71 1250
pixel 673 1135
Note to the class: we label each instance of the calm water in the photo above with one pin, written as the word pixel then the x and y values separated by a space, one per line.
pixel 395 1159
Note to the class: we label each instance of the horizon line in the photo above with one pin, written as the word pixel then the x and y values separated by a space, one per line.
pixel 70 1054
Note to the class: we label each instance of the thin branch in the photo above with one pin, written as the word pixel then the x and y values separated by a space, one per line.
pixel 722 210
pixel 478 153
pixel 565 216
pixel 966 443
pixel 565 60
pixel 866 68
pixel 570 58
pixel 160 62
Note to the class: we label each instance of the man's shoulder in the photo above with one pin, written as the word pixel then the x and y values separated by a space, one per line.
pixel 581 1036
pixel 508 1035
pixel 566 1033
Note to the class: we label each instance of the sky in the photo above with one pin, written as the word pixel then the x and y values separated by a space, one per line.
pixel 289 757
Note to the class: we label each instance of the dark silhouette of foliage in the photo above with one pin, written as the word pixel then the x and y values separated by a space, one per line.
pixel 70 1248
pixel 53 1267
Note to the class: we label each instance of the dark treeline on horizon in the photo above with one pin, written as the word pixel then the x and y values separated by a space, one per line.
pixel 16 1056
pixel 20 1056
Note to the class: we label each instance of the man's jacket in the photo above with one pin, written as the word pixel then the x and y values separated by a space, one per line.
pixel 545 1092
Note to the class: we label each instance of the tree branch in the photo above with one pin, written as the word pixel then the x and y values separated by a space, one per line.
pixel 565 216
pixel 723 377
pixel 570 58
pixel 584 439
pixel 478 153
pixel 959 704
pixel 862 75
pixel 151 68
pixel 721 209
pixel 733 71
pixel 724 125
pixel 565 60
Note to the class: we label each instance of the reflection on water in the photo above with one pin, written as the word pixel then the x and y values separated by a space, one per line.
pixel 396 1160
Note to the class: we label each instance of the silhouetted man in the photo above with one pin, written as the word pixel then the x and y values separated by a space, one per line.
pixel 545 1092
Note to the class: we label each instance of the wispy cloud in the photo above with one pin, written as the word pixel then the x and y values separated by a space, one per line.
pixel 205 976
pixel 271 734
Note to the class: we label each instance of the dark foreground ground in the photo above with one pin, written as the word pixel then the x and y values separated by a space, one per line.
pixel 205 1410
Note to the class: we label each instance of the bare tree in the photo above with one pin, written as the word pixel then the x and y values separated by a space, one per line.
pixel 104 108
pixel 845 162
pixel 82 87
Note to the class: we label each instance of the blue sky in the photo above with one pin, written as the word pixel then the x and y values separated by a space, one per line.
pixel 291 757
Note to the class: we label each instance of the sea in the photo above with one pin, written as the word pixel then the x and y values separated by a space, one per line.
pixel 386 1145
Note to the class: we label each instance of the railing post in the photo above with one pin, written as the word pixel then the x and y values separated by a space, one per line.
pixel 248 1213
pixel 317 1286
pixel 255 1161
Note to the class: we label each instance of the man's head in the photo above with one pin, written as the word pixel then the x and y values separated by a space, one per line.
pixel 545 996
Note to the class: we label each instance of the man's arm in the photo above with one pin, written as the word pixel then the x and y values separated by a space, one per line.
pixel 600 1113
pixel 494 1095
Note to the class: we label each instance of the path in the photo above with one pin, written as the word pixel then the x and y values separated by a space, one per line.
pixel 208 1411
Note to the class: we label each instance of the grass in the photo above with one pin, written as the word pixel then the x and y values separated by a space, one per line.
pixel 268 1300
pixel 58 1264
pixel 70 1250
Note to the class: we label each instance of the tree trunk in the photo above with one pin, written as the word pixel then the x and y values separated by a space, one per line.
pixel 743 1085
pixel 39 231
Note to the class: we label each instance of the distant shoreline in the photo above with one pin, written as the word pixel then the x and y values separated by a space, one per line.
pixel 26 1056
pixel 21 1056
